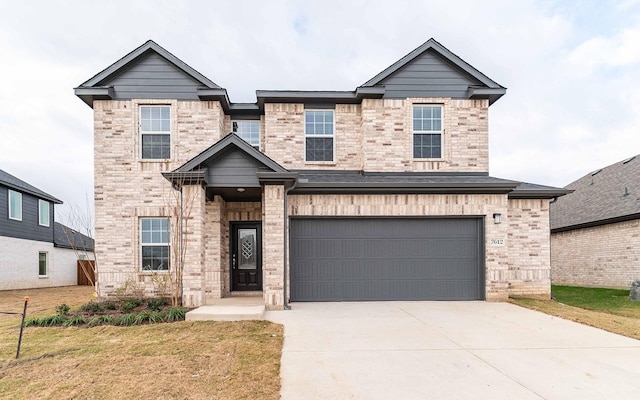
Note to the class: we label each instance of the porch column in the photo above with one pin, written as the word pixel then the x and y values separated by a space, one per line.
pixel 193 228
pixel 273 246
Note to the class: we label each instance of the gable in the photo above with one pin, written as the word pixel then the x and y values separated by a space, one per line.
pixel 152 77
pixel 428 75
pixel 234 167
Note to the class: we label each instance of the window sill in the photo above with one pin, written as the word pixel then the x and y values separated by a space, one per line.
pixel 151 272
pixel 428 160
pixel 325 163
pixel 43 276
pixel 154 160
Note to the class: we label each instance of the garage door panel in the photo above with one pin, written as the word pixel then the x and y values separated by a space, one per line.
pixel 345 259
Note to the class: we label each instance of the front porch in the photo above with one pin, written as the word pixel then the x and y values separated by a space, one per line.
pixel 234 308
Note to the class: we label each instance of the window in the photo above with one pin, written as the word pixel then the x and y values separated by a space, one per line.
pixel 154 243
pixel 249 131
pixel 427 131
pixel 42 263
pixel 318 130
pixel 43 212
pixel 15 205
pixel 155 132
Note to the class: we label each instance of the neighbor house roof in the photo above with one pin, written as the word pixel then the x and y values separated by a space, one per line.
pixel 67 238
pixel 606 195
pixel 12 182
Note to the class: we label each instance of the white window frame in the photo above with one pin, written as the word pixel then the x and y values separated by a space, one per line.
pixel 152 132
pixel 255 121
pixel 151 243
pixel 11 210
pixel 427 132
pixel 46 264
pixel 323 136
pixel 47 206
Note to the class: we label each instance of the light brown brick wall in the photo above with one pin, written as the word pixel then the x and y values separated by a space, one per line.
pixel 128 188
pixel 601 256
pixel 497 256
pixel 378 136
pixel 529 248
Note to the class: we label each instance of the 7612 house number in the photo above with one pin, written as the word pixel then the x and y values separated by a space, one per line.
pixel 497 242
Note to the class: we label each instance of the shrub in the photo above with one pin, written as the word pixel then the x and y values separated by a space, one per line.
pixel 62 309
pixel 92 307
pixel 127 320
pixel 156 304
pixel 103 320
pixel 142 317
pixel 109 305
pixel 76 320
pixel 129 305
pixel 176 314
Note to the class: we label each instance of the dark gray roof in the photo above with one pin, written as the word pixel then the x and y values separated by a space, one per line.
pixel 67 238
pixel 12 182
pixel 603 196
pixel 380 182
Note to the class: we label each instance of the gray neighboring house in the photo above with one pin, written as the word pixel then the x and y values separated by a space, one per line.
pixel 36 251
pixel 595 231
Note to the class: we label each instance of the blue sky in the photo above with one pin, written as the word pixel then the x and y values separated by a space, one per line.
pixel 571 68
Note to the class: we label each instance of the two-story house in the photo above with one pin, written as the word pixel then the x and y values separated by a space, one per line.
pixel 380 193
pixel 35 251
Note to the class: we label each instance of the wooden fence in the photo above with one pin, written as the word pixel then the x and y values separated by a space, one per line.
pixel 86 272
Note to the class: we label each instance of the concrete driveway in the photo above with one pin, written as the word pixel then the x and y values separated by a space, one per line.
pixel 449 350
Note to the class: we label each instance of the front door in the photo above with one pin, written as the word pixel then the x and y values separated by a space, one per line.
pixel 246 256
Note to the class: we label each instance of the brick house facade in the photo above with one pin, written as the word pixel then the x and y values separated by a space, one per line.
pixel 381 193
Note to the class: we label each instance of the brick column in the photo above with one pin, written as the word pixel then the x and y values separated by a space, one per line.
pixel 273 246
pixel 193 227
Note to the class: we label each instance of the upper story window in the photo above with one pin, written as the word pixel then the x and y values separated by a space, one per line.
pixel 249 130
pixel 319 135
pixel 154 242
pixel 15 205
pixel 43 212
pixel 427 131
pixel 155 132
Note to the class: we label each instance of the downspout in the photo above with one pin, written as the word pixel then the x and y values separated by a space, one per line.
pixel 286 247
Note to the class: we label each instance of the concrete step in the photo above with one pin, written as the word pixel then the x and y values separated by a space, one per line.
pixel 229 309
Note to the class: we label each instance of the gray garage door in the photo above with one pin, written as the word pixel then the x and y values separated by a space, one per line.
pixel 356 259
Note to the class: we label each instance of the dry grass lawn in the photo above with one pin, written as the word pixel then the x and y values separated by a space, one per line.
pixel 182 360
pixel 627 325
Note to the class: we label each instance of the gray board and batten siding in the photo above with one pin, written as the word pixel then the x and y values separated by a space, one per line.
pixel 428 75
pixel 153 77
pixel 373 259
pixel 233 168
pixel 29 228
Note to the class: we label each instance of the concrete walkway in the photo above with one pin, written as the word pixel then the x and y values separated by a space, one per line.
pixel 449 350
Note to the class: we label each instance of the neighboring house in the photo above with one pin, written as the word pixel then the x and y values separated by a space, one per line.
pixel 35 251
pixel 380 193
pixel 595 231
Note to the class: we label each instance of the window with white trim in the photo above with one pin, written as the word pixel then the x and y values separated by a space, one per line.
pixel 15 205
pixel 155 239
pixel 427 131
pixel 43 212
pixel 155 132
pixel 249 130
pixel 319 135
pixel 42 263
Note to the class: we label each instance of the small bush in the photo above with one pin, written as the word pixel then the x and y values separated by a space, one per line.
pixel 109 305
pixel 156 304
pixel 103 320
pixel 92 307
pixel 142 317
pixel 176 314
pixel 76 320
pixel 62 309
pixel 129 305
pixel 127 320
pixel 32 322
pixel 155 317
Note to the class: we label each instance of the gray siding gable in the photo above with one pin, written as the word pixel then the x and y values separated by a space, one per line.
pixel 152 77
pixel 431 70
pixel 428 75
pixel 234 168
pixel 29 227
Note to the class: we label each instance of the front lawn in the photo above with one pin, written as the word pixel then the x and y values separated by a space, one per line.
pixel 608 309
pixel 208 360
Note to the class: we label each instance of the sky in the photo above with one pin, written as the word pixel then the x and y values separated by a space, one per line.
pixel 572 69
